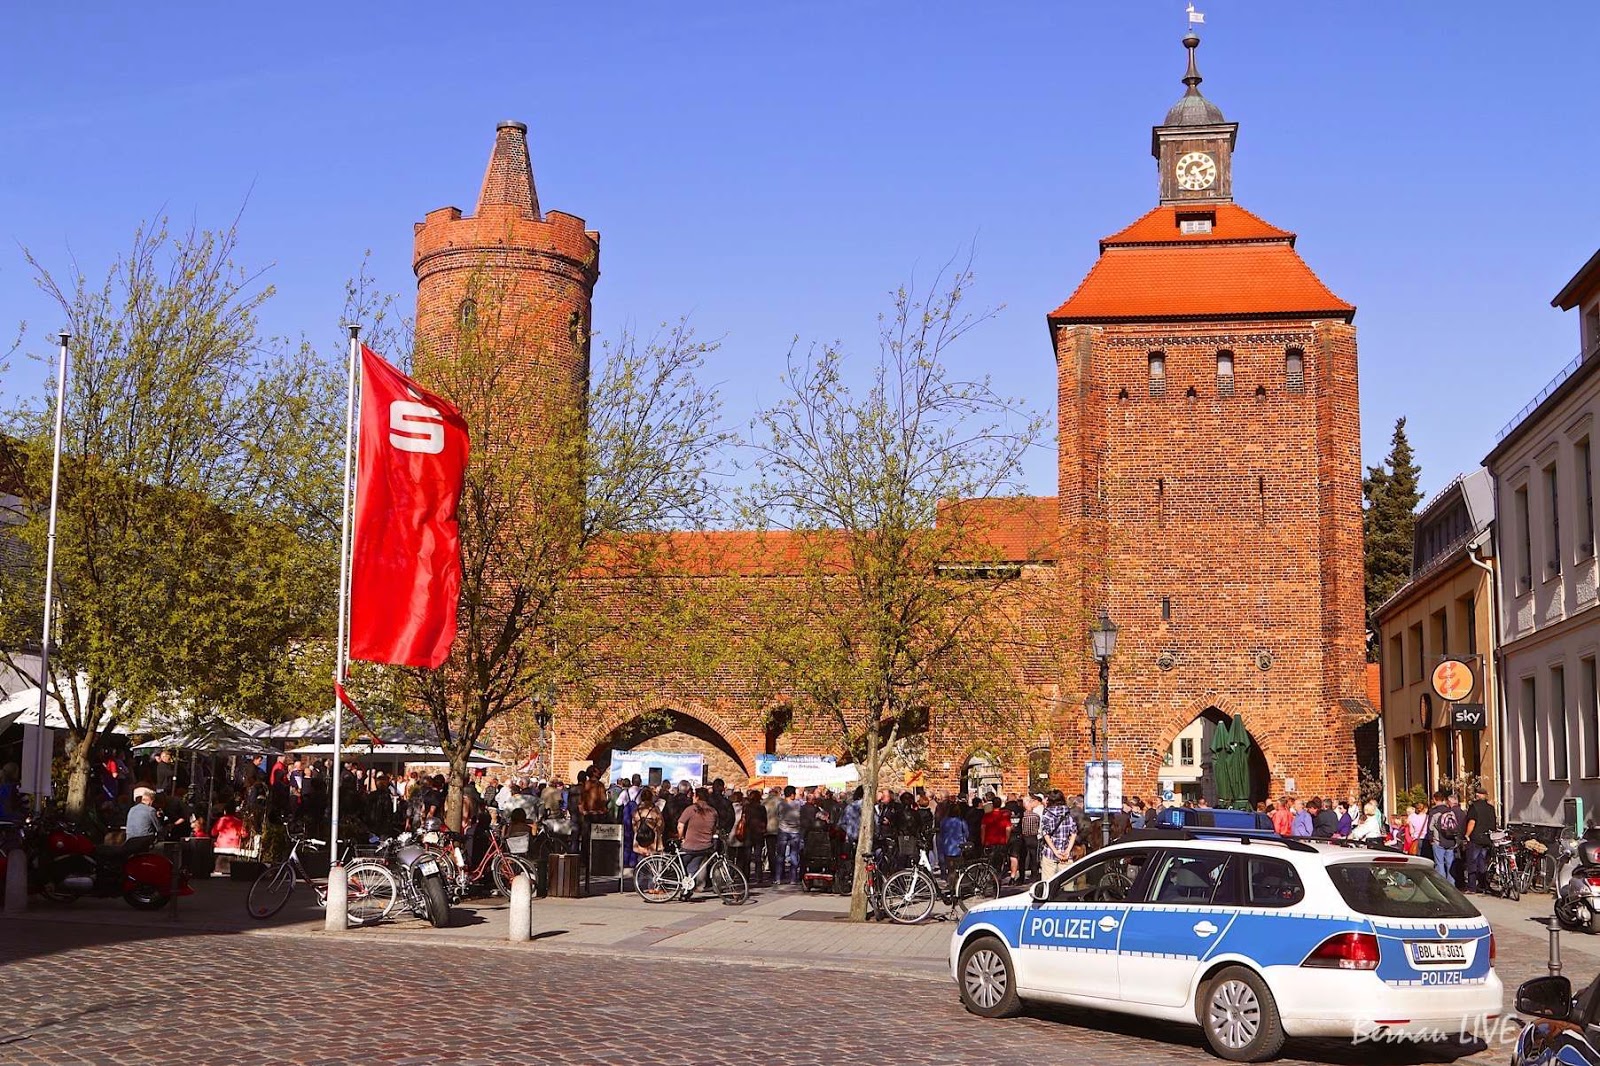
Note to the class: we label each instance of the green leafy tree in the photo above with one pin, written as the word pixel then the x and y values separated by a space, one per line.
pixel 562 519
pixel 899 609
pixel 196 543
pixel 1389 519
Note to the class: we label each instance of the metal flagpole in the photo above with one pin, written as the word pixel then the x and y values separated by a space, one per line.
pixel 341 659
pixel 41 749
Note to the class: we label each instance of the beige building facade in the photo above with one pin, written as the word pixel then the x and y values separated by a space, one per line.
pixel 1445 611
pixel 1549 588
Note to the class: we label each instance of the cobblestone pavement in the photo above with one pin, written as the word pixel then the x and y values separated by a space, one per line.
pixel 84 993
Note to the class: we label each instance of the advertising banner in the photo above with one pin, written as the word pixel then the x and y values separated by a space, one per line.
pixel 1095 786
pixel 657 767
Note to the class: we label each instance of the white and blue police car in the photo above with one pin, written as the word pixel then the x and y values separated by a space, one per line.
pixel 1252 936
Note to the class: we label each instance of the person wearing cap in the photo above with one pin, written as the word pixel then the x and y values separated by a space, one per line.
pixel 144 823
pixel 1481 822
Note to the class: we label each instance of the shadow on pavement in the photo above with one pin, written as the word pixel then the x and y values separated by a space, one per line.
pixel 1333 1052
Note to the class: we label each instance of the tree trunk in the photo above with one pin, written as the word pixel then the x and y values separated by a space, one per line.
pixel 79 750
pixel 458 783
pixel 869 823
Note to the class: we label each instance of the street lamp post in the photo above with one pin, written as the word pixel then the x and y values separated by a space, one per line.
pixel 1103 636
pixel 544 698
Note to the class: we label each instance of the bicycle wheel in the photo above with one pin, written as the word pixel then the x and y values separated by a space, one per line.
pixel 370 892
pixel 1508 879
pixel 975 884
pixel 657 879
pixel 271 890
pixel 506 867
pixel 908 896
pixel 729 883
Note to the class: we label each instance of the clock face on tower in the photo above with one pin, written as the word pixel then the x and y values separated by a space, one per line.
pixel 1196 171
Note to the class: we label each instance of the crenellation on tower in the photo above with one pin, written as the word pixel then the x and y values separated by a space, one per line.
pixel 542 265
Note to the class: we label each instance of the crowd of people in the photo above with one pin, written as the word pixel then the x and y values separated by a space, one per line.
pixel 1023 836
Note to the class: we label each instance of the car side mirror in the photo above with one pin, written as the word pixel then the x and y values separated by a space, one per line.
pixel 1545 997
pixel 1040 891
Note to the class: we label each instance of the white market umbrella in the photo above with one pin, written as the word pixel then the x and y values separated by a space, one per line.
pixel 22 708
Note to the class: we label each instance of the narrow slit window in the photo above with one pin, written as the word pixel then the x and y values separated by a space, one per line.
pixel 1552 520
pixel 1224 373
pixel 1158 373
pixel 1294 370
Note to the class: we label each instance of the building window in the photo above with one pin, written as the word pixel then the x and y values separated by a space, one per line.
pixel 468 313
pixel 1528 715
pixel 1224 373
pixel 1586 493
pixel 1469 622
pixel 1397 663
pixel 1440 624
pixel 1294 370
pixel 1552 521
pixel 1558 723
pixel 1524 533
pixel 1186 751
pixel 1588 720
pixel 1591 327
pixel 1422 653
pixel 1158 373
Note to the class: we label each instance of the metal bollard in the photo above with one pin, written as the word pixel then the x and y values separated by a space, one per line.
pixel 337 919
pixel 521 908
pixel 1554 964
pixel 16 881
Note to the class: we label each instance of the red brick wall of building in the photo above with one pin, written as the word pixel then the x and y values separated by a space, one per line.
pixel 1242 511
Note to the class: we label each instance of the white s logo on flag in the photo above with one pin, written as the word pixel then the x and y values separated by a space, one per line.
pixel 416 427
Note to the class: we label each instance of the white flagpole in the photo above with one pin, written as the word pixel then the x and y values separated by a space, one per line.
pixel 42 749
pixel 341 658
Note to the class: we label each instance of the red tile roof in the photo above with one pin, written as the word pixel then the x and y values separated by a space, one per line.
pixel 1013 530
pixel 1243 267
pixel 1199 281
pixel 1230 223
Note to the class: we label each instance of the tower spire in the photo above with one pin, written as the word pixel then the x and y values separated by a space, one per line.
pixel 508 182
pixel 1191 78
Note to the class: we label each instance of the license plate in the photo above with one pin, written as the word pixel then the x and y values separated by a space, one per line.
pixel 1424 952
pixel 428 869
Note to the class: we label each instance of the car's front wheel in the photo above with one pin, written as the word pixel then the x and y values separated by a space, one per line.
pixel 988 982
pixel 1240 1017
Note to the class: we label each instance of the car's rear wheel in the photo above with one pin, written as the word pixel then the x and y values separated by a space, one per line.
pixel 988 983
pixel 1240 1017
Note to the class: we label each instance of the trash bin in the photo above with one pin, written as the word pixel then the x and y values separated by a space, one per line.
pixel 199 856
pixel 564 876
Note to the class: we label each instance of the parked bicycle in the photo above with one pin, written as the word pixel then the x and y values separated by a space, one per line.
pixel 495 869
pixel 1505 879
pixel 909 895
pixel 370 888
pixel 663 877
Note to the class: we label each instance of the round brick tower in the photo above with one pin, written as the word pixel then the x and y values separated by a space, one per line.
pixel 523 278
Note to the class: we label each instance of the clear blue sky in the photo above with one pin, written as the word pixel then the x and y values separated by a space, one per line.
pixel 776 168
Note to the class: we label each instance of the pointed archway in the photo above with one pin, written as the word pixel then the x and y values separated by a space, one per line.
pixel 727 756
pixel 1187 766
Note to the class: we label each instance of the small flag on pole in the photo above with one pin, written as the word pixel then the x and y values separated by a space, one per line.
pixel 1195 17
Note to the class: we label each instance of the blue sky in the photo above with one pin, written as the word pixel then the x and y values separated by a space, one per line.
pixel 776 169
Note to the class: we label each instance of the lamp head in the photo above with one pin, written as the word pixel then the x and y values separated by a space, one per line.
pixel 1104 635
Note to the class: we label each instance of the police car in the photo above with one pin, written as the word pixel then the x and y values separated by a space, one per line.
pixel 1253 936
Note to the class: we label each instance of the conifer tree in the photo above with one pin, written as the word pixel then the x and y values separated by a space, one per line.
pixel 1390 496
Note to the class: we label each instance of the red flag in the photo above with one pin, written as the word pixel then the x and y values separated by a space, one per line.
pixel 405 573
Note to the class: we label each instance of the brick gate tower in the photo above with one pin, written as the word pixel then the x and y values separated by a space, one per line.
pixel 522 276
pixel 1210 477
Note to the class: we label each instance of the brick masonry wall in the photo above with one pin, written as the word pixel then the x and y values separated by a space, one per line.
pixel 1242 511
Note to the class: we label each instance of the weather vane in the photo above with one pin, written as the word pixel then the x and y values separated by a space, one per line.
pixel 1196 18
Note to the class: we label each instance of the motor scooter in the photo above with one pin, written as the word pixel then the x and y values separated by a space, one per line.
pixel 1577 902
pixel 65 865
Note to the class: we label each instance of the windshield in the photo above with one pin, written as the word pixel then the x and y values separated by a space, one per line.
pixel 1395 890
